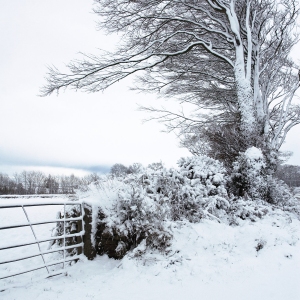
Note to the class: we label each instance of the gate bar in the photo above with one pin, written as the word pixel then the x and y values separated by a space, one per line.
pixel 75 257
pixel 40 223
pixel 81 233
pixel 44 252
pixel 38 203
pixel 37 242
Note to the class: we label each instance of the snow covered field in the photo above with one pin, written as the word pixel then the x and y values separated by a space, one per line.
pixel 209 260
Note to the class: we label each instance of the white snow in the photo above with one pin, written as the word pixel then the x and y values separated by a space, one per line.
pixel 209 260
pixel 254 153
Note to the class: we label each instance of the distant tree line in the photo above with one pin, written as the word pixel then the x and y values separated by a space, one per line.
pixel 290 174
pixel 35 182
pixel 121 170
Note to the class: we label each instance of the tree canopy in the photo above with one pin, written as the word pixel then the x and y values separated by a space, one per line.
pixel 230 59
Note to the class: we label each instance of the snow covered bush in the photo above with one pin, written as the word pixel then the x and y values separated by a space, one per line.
pixel 278 191
pixel 249 176
pixel 136 217
pixel 203 190
pixel 206 172
pixel 242 209
pixel 292 205
pixel 148 201
pixel 194 190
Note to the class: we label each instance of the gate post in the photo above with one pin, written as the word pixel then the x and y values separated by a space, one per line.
pixel 88 245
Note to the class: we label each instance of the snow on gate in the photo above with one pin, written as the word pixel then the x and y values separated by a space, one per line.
pixel 25 234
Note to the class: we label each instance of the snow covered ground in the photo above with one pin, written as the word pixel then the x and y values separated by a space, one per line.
pixel 209 260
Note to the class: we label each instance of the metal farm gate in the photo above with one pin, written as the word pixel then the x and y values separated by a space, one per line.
pixel 23 203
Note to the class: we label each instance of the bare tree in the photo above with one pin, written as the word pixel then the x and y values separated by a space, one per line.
pixel 118 170
pixel 6 184
pixel 156 166
pixel 227 57
pixel 39 179
pixel 135 168
pixel 17 177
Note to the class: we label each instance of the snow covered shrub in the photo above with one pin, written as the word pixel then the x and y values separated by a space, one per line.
pixel 166 187
pixel 278 191
pixel 250 178
pixel 292 205
pixel 149 200
pixel 191 192
pixel 246 209
pixel 260 245
pixel 136 217
pixel 249 175
pixel 205 171
pixel 203 190
pixel 143 217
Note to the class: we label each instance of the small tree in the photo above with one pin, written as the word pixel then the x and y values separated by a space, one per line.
pixel 135 168
pixel 51 184
pixel 156 166
pixel 118 170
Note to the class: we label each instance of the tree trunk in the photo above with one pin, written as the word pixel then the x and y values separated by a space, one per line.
pixel 246 105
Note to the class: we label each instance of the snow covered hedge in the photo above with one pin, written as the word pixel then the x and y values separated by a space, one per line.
pixel 141 208
pixel 144 204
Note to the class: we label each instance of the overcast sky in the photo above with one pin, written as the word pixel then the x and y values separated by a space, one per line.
pixel 72 132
